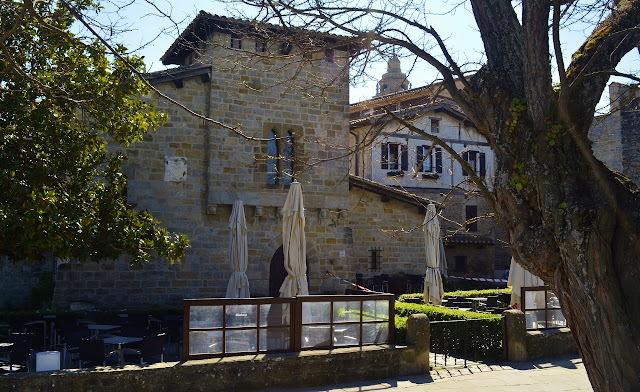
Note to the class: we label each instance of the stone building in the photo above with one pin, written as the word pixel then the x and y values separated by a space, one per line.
pixel 190 171
pixel 615 137
pixel 397 157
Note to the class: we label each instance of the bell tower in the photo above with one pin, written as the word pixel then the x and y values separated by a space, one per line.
pixel 394 80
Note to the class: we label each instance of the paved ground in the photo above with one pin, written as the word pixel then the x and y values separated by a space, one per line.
pixel 556 375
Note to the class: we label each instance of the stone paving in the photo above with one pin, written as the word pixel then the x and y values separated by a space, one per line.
pixel 565 374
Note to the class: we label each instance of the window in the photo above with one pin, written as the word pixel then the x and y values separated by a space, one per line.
pixel 460 263
pixel 394 157
pixel 272 159
pixel 435 125
pixel 260 46
pixel 236 41
pixel 428 160
pixel 477 161
pixel 280 159
pixel 286 48
pixel 287 159
pixel 471 212
pixel 329 55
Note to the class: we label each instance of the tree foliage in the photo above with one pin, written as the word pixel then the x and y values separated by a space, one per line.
pixel 61 99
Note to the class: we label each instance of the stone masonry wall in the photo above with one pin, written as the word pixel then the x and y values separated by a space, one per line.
pixel 220 166
pixel 630 126
pixel 392 226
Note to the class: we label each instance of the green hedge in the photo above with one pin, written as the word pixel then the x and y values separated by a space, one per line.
pixel 481 338
pixel 463 294
pixel 439 313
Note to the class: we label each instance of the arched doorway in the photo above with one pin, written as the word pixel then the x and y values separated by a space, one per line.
pixel 277 272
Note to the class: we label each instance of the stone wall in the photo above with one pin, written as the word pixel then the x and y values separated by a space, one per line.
pixel 17 280
pixel 393 226
pixel 305 369
pixel 188 173
pixel 630 126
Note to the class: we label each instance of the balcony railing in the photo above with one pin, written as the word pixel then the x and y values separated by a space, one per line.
pixel 541 308
pixel 219 327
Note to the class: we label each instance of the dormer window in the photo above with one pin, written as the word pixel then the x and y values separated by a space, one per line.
pixel 236 41
pixel 329 55
pixel 286 48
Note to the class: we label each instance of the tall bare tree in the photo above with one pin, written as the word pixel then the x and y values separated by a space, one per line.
pixel 570 219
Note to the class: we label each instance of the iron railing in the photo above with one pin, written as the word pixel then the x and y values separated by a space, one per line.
pixel 219 327
pixel 454 342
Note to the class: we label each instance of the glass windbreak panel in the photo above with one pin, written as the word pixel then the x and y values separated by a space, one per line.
pixel 552 300
pixel 315 336
pixel 274 339
pixel 534 319
pixel 534 299
pixel 375 333
pixel 205 317
pixel 346 311
pixel 555 319
pixel 316 312
pixel 241 315
pixel 346 335
pixel 375 310
pixel 241 341
pixel 205 342
pixel 274 314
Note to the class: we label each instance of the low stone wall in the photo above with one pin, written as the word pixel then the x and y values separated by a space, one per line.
pixel 550 343
pixel 523 345
pixel 243 373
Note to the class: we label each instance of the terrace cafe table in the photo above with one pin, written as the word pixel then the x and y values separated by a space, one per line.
pixel 120 340
pixel 97 328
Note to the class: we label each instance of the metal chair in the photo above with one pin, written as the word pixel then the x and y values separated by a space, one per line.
pixel 91 352
pixel 20 353
pixel 152 346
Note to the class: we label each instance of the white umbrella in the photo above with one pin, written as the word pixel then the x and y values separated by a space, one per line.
pixel 519 278
pixel 294 244
pixel 238 286
pixel 433 289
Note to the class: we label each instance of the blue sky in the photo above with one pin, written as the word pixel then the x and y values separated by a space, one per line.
pixel 152 33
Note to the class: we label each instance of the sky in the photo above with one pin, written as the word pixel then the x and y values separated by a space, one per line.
pixel 150 33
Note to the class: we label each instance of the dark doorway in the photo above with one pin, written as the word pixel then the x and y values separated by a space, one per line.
pixel 277 272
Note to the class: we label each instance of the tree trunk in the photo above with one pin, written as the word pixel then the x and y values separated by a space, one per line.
pixel 571 221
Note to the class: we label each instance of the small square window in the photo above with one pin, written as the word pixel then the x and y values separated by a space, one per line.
pixel 460 263
pixel 435 125
pixel 260 46
pixel 236 42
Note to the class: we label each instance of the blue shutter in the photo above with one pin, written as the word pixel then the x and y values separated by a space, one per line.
pixel 419 158
pixel 404 158
pixel 438 160
pixel 465 156
pixel 385 156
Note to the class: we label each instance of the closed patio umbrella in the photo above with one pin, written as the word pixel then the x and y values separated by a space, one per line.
pixel 519 278
pixel 433 289
pixel 238 286
pixel 294 244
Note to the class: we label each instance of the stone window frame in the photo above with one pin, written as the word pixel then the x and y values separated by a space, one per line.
pixel 282 133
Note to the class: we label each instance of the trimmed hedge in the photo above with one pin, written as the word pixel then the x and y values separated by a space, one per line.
pixel 461 294
pixel 480 338
pixel 439 313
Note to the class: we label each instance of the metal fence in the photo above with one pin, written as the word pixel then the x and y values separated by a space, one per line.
pixel 219 327
pixel 455 342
